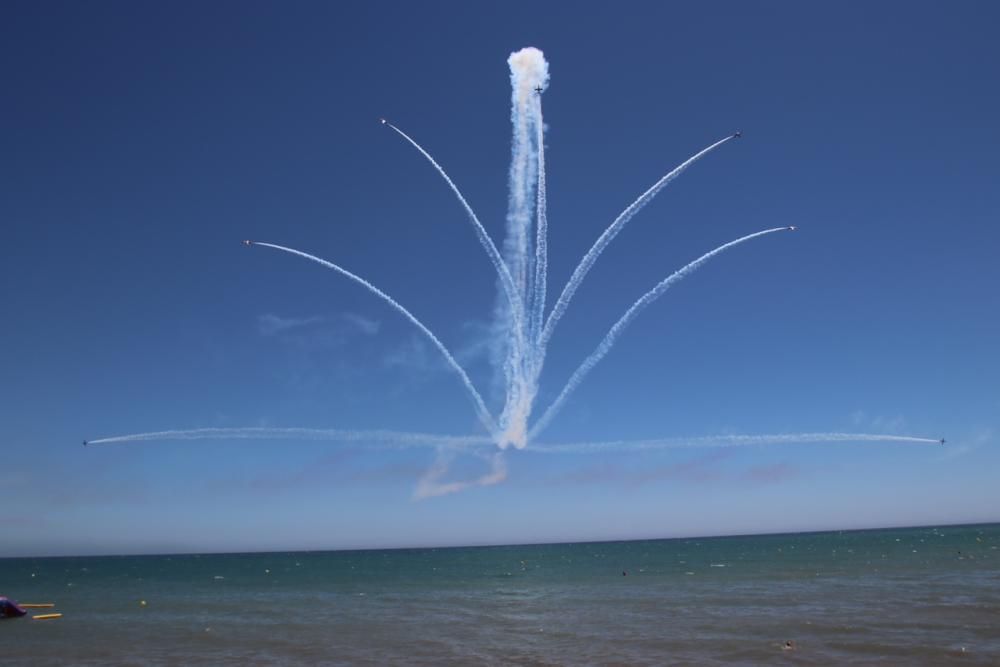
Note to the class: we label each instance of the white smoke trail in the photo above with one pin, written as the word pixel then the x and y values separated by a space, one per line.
pixel 529 77
pixel 483 413
pixel 430 485
pixel 394 439
pixel 503 272
pixel 609 234
pixel 541 238
pixel 726 441
pixel 619 326
pixel 406 439
pixel 515 344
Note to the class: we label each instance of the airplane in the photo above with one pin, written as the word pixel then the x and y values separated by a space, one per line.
pixel 791 228
pixel 943 441
pixel 538 89
pixel 84 443
pixel 383 121
pixel 247 242
pixel 739 133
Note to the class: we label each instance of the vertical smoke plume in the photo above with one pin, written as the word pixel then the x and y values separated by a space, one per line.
pixel 541 236
pixel 529 77
pixel 529 74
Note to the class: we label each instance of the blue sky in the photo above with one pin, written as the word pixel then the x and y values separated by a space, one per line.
pixel 143 141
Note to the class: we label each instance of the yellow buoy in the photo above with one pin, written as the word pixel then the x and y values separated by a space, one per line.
pixel 45 617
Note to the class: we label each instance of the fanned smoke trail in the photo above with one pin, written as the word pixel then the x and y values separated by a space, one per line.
pixel 481 410
pixel 608 235
pixel 727 441
pixel 375 437
pixel 503 273
pixel 619 326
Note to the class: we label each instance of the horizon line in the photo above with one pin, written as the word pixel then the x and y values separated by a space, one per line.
pixel 490 545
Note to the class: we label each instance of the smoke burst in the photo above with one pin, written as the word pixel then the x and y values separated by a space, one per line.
pixel 523 329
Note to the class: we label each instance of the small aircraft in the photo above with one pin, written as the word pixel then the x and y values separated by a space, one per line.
pixel 791 228
pixel 538 89
pixel 84 443
pixel 247 242
pixel 943 441
pixel 739 133
pixel 383 121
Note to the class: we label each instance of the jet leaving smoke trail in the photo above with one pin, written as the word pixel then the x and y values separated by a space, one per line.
pixel 407 439
pixel 725 441
pixel 619 326
pixel 386 438
pixel 609 234
pixel 484 414
pixel 447 447
pixel 528 78
pixel 484 238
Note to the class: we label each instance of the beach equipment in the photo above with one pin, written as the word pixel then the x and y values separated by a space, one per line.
pixel 10 609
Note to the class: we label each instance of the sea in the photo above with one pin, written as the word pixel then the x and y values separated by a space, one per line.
pixel 905 596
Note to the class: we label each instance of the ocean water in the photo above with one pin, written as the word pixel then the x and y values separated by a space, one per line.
pixel 923 596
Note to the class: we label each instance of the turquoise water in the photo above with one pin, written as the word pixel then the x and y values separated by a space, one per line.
pixel 902 596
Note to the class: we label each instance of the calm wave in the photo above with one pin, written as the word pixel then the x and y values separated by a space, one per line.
pixel 903 596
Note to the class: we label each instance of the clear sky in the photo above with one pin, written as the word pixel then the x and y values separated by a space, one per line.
pixel 142 141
